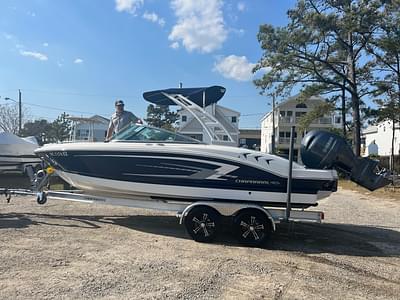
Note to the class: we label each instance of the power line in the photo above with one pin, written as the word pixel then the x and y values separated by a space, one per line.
pixel 59 109
pixel 77 94
pixel 108 95
pixel 55 108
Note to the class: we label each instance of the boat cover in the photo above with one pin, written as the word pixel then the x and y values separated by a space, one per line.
pixel 213 95
pixel 10 144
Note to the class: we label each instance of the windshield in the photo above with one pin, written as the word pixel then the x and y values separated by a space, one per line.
pixel 150 134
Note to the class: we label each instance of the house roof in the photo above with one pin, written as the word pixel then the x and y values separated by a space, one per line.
pixel 370 129
pixel 250 130
pixel 92 119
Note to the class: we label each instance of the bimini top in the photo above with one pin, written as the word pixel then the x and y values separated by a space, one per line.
pixel 212 95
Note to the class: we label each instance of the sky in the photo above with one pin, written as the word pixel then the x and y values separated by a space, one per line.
pixel 80 56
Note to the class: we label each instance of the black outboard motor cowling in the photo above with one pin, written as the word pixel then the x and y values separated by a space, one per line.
pixel 326 150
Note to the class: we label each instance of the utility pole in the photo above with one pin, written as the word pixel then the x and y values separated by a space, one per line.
pixel 19 112
pixel 273 125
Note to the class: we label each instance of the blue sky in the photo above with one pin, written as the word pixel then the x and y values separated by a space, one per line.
pixel 79 56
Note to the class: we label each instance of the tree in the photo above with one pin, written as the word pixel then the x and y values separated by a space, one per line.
pixel 385 48
pixel 39 129
pixel 317 112
pixel 60 128
pixel 46 132
pixel 320 51
pixel 9 117
pixel 389 110
pixel 161 117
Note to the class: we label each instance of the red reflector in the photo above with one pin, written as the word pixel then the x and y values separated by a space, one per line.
pixel 322 216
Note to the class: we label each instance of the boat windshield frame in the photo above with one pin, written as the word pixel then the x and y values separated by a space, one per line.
pixel 138 133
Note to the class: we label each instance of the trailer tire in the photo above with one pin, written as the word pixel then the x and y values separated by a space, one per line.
pixel 203 224
pixel 41 198
pixel 252 227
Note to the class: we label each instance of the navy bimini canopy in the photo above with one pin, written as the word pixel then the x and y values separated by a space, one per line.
pixel 212 95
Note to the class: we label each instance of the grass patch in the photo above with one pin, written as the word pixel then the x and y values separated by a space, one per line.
pixel 385 192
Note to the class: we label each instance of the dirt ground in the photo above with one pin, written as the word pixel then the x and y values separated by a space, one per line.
pixel 72 250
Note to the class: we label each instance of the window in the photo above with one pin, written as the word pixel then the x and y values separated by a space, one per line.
pixel 287 134
pixel 234 119
pixel 338 120
pixel 289 113
pixel 149 134
pixel 184 118
pixel 282 113
pixel 242 141
pixel 301 105
pixel 225 137
pixel 83 134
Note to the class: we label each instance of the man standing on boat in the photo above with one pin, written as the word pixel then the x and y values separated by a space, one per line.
pixel 120 119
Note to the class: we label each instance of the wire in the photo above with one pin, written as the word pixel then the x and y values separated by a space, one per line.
pixel 51 107
pixel 60 109
pixel 77 94
pixel 105 95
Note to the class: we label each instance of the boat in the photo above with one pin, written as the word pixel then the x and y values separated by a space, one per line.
pixel 17 153
pixel 147 163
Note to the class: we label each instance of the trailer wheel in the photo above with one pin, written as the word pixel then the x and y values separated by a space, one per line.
pixel 252 227
pixel 202 223
pixel 41 198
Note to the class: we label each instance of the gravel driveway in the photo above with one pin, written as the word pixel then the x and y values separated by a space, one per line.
pixel 73 250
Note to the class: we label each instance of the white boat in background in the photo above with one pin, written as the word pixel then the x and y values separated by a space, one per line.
pixel 17 153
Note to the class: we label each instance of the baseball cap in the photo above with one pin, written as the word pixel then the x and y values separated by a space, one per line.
pixel 119 102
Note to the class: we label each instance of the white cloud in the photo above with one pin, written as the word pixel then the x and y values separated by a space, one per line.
pixel 129 6
pixel 37 55
pixel 153 17
pixel 200 25
pixel 30 13
pixel 174 45
pixel 241 6
pixel 8 36
pixel 78 61
pixel 45 44
pixel 60 64
pixel 235 67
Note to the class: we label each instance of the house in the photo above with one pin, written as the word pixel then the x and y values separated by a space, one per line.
pixel 190 126
pixel 377 140
pixel 287 114
pixel 93 129
pixel 250 138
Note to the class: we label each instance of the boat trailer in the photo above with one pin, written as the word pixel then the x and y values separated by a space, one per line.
pixel 252 223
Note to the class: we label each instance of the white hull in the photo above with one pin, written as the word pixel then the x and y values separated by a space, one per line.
pixel 145 191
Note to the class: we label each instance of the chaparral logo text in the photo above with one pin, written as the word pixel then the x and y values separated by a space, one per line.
pixel 249 181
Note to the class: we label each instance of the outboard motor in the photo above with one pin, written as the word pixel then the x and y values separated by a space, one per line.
pixel 325 150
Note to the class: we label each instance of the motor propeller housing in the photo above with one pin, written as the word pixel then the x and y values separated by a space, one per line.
pixel 326 150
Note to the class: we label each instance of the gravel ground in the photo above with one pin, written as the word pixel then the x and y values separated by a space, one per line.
pixel 72 250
